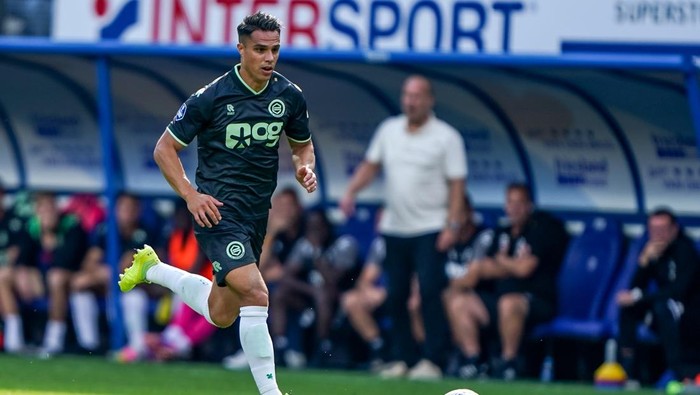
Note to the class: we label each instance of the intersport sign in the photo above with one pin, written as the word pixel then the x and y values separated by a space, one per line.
pixel 466 26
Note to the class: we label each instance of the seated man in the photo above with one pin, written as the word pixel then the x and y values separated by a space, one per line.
pixel 94 275
pixel 670 260
pixel 319 267
pixel 524 258
pixel 467 308
pixel 52 246
pixel 10 226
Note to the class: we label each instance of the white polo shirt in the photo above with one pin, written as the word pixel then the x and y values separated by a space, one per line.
pixel 417 167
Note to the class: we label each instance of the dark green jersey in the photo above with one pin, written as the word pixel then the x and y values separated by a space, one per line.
pixel 238 132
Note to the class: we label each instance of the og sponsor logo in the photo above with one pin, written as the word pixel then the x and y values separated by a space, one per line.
pixel 239 135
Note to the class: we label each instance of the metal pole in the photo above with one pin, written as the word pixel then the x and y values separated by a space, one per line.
pixel 692 86
pixel 104 98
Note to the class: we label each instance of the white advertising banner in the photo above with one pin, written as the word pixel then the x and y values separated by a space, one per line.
pixel 576 161
pixel 651 109
pixel 670 169
pixel 539 26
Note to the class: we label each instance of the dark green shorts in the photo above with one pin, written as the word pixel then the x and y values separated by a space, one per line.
pixel 231 244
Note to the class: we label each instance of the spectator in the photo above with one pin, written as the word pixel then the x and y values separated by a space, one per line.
pixel 669 260
pixel 10 226
pixel 52 247
pixel 318 268
pixel 424 164
pixel 363 304
pixel 469 309
pixel 94 276
pixel 524 259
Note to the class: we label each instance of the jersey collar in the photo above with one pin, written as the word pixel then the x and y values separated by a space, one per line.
pixel 236 69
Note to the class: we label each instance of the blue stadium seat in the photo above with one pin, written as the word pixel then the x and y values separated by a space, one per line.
pixel 588 270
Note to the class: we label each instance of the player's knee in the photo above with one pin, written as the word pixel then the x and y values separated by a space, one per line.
pixel 222 317
pixel 255 296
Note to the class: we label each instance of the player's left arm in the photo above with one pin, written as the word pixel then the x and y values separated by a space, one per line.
pixel 304 164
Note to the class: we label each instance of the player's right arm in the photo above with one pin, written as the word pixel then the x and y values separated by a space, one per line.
pixel 204 208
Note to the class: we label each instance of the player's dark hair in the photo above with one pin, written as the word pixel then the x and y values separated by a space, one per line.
pixel 258 21
pixel 521 186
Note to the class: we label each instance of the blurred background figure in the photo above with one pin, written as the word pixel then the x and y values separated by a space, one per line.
pixel 319 267
pixel 10 227
pixel 52 247
pixel 469 309
pixel 670 262
pixel 524 259
pixel 92 282
pixel 423 160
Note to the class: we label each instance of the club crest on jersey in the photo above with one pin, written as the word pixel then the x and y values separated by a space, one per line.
pixel 235 250
pixel 181 112
pixel 276 108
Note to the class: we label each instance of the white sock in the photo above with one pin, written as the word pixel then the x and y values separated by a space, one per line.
pixel 54 337
pixel 14 334
pixel 257 346
pixel 135 310
pixel 193 289
pixel 85 319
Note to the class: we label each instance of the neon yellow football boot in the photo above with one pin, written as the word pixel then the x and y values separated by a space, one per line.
pixel 135 274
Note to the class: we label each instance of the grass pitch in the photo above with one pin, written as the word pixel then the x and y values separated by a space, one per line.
pixel 95 375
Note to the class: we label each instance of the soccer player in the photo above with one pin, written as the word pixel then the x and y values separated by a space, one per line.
pixel 238 120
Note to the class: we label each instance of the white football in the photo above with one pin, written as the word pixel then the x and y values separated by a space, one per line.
pixel 461 392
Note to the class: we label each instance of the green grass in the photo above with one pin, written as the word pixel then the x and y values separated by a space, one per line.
pixel 94 375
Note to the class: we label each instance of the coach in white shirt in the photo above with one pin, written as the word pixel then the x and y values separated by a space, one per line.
pixel 424 164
